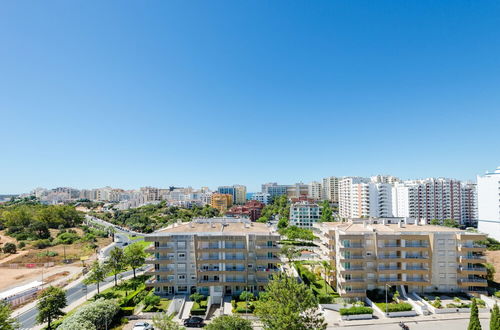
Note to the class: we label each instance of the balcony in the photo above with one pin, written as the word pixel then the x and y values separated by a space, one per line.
pixel 390 257
pixel 473 282
pixel 161 260
pixel 210 281
pixel 472 259
pixel 472 270
pixel 352 257
pixel 156 283
pixel 471 247
pixel 268 247
pixel 159 249
pixel 388 269
pixel 265 269
pixel 352 280
pixel 352 293
pixel 415 257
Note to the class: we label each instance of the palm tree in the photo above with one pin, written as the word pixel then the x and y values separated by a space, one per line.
pixel 327 268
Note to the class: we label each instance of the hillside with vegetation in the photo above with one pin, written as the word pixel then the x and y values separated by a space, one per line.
pixel 46 232
pixel 149 218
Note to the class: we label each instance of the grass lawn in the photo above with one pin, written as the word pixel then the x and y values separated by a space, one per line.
pixel 161 307
pixel 133 238
pixel 242 307
pixel 144 245
pixel 319 288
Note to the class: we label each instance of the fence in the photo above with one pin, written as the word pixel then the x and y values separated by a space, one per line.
pixel 27 265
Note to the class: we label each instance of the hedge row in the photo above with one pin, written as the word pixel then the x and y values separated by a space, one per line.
pixel 356 310
pixel 391 307
pixel 128 300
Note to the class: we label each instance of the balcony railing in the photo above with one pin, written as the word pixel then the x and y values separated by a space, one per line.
pixel 267 257
pixel 356 280
pixel 210 281
pixel 353 257
pixel 482 269
pixel 389 268
pixel 390 257
pixel 417 257
pixel 416 268
pixel 473 280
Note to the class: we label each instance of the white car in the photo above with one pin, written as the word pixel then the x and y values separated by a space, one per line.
pixel 142 326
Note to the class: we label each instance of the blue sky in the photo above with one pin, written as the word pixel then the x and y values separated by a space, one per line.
pixel 207 93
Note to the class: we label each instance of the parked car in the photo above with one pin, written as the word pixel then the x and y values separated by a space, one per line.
pixel 142 326
pixel 194 321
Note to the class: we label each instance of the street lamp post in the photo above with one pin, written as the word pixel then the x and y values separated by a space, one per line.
pixel 386 305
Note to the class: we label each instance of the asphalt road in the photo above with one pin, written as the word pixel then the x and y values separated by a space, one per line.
pixel 27 319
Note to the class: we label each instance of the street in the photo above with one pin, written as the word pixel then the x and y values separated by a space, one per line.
pixel 460 324
pixel 27 319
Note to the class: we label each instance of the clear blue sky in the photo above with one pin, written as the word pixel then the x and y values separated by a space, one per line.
pixel 207 93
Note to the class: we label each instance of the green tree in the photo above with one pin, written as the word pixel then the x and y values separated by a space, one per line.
pixel 162 321
pixel 116 262
pixel 6 321
pixel 229 322
pixel 290 252
pixel 97 274
pixel 474 323
pixel 9 248
pixel 327 271
pixel 289 305
pixel 490 271
pixel 197 297
pixel 151 300
pixel 495 318
pixel 50 304
pixel 135 256
pixel 246 295
pixel 326 212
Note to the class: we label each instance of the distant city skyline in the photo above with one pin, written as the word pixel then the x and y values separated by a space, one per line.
pixel 134 93
pixel 251 188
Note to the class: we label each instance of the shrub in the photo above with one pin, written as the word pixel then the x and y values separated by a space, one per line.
pixel 451 306
pixel 96 313
pixel 326 298
pixel 21 245
pixel 245 295
pixel 151 300
pixel 457 300
pixel 47 254
pixel 139 297
pixel 42 243
pixel 401 307
pixel 128 300
pixel 437 303
pixel 497 294
pixel 127 311
pixel 9 248
pixel 356 310
pixel 66 238
pixel 197 297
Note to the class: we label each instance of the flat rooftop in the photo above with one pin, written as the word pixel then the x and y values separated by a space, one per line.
pixel 389 228
pixel 237 228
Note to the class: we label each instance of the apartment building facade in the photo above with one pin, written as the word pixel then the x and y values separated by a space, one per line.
pixel 360 197
pixel 261 197
pixel 370 254
pixel 488 195
pixel 239 193
pixel 331 189
pixel 216 257
pixel 315 190
pixel 221 202
pixel 304 214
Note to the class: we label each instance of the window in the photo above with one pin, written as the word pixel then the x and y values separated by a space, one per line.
pixel 452 264
pixel 181 255
pixel 441 241
pixel 442 264
pixel 181 245
pixel 442 275
pixel 451 253
pixel 452 275
pixel 451 242
pixel 441 253
pixel 181 277
pixel 181 266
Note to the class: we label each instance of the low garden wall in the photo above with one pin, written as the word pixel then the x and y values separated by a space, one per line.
pixel 357 317
pixel 390 314
pixel 448 310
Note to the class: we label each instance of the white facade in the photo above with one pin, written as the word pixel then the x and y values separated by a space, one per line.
pixel 331 189
pixel 488 195
pixel 304 214
pixel 315 190
pixel 261 197
pixel 359 198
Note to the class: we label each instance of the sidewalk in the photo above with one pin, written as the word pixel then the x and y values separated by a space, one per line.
pixel 89 296
pixel 31 305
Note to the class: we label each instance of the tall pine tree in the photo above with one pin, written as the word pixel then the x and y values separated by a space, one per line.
pixel 474 323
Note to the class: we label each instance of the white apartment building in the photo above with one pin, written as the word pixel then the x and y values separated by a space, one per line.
pixel 428 199
pixel 360 198
pixel 315 190
pixel 370 254
pixel 304 214
pixel 261 197
pixel 216 257
pixel 331 189
pixel 488 203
